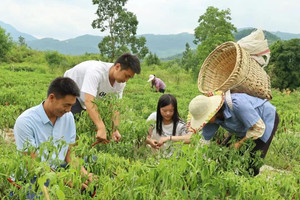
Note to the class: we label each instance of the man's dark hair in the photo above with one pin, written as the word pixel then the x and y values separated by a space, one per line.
pixel 62 86
pixel 129 61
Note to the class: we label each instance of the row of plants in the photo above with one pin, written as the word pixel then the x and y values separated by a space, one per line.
pixel 129 169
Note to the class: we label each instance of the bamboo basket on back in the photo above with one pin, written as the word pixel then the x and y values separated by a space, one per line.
pixel 229 67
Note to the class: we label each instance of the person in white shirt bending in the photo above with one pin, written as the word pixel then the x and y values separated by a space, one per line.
pixel 169 126
pixel 95 79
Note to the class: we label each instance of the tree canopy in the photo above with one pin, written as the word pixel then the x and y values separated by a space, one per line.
pixel 121 25
pixel 284 66
pixel 5 43
pixel 214 29
pixel 152 59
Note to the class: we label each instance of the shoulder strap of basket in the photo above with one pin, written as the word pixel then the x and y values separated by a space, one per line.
pixel 228 99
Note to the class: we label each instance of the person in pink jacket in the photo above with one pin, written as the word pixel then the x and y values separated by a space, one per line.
pixel 160 86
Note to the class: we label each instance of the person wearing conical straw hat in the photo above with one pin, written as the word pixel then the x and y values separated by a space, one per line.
pixel 245 116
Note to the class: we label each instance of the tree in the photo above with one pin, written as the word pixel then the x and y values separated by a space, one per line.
pixel 22 41
pixel 214 24
pixel 56 60
pixel 284 68
pixel 138 46
pixel 187 60
pixel 121 25
pixel 5 44
pixel 152 59
pixel 214 29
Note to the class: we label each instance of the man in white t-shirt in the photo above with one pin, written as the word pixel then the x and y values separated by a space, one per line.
pixel 95 79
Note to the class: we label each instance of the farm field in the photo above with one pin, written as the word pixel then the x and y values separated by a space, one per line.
pixel 129 169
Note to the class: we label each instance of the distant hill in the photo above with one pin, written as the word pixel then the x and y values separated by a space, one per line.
pixel 164 46
pixel 161 45
pixel 15 34
pixel 168 45
pixel 246 31
pixel 76 46
pixel 286 36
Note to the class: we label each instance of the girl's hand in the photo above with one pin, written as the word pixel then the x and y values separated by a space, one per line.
pixel 190 129
pixel 153 143
pixel 162 141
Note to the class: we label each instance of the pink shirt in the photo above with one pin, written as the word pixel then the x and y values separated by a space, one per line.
pixel 159 83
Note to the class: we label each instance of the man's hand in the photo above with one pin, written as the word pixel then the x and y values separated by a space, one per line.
pixel 116 136
pixel 91 178
pixel 101 134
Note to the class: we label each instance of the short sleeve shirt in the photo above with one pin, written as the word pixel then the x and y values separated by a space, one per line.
pixel 34 126
pixel 247 110
pixel 92 77
pixel 167 130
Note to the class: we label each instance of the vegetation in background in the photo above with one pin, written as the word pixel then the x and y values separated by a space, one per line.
pixel 5 43
pixel 152 59
pixel 214 29
pixel 188 58
pixel 284 67
pixel 121 25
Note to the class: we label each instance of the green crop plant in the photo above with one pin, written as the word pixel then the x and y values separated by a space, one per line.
pixel 131 170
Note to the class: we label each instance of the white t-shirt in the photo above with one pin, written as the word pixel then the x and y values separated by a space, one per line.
pixel 167 130
pixel 92 77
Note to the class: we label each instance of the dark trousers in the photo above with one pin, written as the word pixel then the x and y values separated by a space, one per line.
pixel 161 90
pixel 264 147
pixel 77 108
pixel 30 193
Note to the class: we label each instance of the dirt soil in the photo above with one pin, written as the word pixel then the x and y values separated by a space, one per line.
pixel 8 135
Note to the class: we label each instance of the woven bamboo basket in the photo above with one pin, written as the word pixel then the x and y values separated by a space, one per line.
pixel 229 67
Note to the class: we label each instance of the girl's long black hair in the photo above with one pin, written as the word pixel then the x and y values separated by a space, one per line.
pixel 163 101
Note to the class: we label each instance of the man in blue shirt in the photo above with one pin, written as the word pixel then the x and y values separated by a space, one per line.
pixel 241 114
pixel 51 119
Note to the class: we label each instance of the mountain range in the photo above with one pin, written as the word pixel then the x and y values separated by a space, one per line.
pixel 162 45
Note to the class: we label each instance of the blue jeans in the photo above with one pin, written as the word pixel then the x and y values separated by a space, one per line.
pixel 31 194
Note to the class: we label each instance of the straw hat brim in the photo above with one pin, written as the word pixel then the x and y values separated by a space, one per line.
pixel 215 103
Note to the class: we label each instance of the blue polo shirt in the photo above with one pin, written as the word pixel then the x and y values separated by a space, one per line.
pixel 246 111
pixel 34 126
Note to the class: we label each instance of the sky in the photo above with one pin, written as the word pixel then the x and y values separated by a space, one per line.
pixel 65 19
